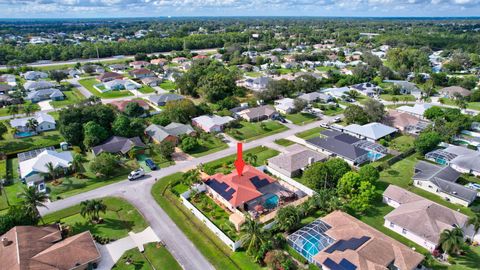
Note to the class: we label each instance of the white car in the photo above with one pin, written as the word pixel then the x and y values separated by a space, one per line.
pixel 134 175
pixel 337 119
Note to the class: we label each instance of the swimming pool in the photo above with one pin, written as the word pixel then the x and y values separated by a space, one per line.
pixel 374 155
pixel 271 202
pixel 25 134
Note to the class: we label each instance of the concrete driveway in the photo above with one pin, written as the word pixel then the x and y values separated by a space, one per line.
pixel 45 105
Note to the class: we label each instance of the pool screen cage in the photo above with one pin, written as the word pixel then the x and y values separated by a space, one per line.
pixel 371 146
pixel 440 155
pixel 311 239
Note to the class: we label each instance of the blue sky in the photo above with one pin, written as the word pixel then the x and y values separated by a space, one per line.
pixel 155 8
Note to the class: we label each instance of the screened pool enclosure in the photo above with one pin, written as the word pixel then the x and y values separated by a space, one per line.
pixel 311 239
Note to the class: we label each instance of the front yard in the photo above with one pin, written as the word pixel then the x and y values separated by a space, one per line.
pixel 45 139
pixel 168 85
pixel 400 98
pixel 119 219
pixel 301 118
pixel 207 144
pixel 249 131
pixel 145 89
pixel 153 257
pixel 311 133
pixel 71 97
pixel 89 83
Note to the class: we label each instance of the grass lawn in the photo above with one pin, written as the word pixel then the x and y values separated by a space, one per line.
pixel 401 174
pixel 208 144
pixel 89 83
pixel 71 185
pixel 311 133
pixel 401 98
pixel 154 257
pixel 253 74
pixel 14 146
pixel 145 89
pixel 331 111
pixel 249 131
pixel 284 142
pixel 402 143
pixel 217 253
pixel 226 164
pixel 301 118
pixel 168 85
pixel 470 105
pixel 4 110
pixel 72 97
pixel 119 219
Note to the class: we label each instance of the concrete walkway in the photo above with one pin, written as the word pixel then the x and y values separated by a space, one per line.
pixel 112 252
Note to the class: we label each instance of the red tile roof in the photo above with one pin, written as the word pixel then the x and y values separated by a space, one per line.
pixel 243 185
pixel 122 104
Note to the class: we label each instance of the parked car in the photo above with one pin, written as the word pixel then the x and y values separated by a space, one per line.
pixel 151 164
pixel 134 175
pixel 337 119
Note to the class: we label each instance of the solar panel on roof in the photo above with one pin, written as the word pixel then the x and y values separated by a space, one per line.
pixel 33 153
pixel 352 244
pixel 259 183
pixel 221 188
pixel 343 265
pixel 347 265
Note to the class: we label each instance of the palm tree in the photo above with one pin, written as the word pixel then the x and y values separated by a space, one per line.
pixel 12 109
pixel 252 235
pixel 251 158
pixel 475 222
pixel 32 124
pixel 32 198
pixel 288 218
pixel 77 162
pixel 451 240
pixel 28 109
pixel 191 177
pixel 51 170
pixel 394 100
pixel 353 94
pixel 92 209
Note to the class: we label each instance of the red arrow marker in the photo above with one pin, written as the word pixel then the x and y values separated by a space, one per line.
pixel 239 163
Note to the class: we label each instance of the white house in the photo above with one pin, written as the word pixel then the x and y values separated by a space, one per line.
pixel 421 220
pixel 34 75
pixel 285 105
pixel 211 123
pixel 417 110
pixel 370 132
pixel 33 170
pixel 44 120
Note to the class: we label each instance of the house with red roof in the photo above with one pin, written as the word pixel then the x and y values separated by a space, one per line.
pixel 122 104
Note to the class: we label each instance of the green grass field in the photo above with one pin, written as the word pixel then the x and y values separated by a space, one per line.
pixel 89 83
pixel 48 138
pixel 145 89
pixel 119 219
pixel 311 133
pixel 4 110
pixel 401 143
pixel 284 142
pixel 249 131
pixel 153 257
pixel 301 118
pixel 401 98
pixel 207 145
pixel 168 85
pixel 71 97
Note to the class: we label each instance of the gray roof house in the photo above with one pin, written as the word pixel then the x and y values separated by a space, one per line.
pixel 171 132
pixel 419 219
pixel 258 113
pixel 161 100
pixel 211 123
pixel 371 132
pixel 441 180
pixel 367 89
pixel 295 160
pixel 315 97
pixel 460 158
pixel 117 144
pixel 44 94
pixel 37 85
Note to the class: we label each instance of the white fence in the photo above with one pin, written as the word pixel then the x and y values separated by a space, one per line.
pixel 289 180
pixel 225 239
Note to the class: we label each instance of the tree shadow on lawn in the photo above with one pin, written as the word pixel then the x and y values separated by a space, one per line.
pixel 471 259
pixel 393 172
pixel 108 223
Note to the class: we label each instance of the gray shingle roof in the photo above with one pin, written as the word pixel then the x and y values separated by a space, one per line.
pixel 338 147
pixel 159 133
pixel 164 98
pixel 296 158
pixel 117 144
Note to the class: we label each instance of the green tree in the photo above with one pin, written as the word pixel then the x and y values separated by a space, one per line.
pixel 52 171
pixel 299 104
pixel 451 241
pixel 28 109
pixel 3 129
pixel 251 158
pixel 166 149
pixel 32 124
pixel 433 113
pixel 369 173
pixel 427 141
pixel 94 134
pixel 92 209
pixel 77 162
pixel 191 177
pixel 288 218
pixel 475 222
pixel 58 75
pixel 375 110
pixel 32 198
pixel 180 110
pixel 104 164
pixel 357 192
pixel 12 110
pixel 252 236
pixel 189 144
pixel 133 109
pixel 355 114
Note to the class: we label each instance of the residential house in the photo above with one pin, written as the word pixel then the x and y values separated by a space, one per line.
pixel 162 99
pixel 351 149
pixel 293 162
pixel 405 122
pixel 44 94
pixel 119 84
pixel 257 84
pixel 367 89
pixel 336 92
pixel 159 61
pixel 141 73
pixel 37 85
pixel 417 110
pixel 122 104
pixel 454 91
pixel 33 164
pixel 9 79
pixel 118 67
pixel 259 113
pixel 44 122
pixel 95 68
pixel 460 158
pixel 407 88
pixel 211 123
pixel 315 97
pixel 73 72
pixel 34 75
pixel 119 145
pixel 285 105
pixel 138 64
pixel 109 76
pixel 370 132
pixel 179 60
pixel 171 132
pixel 441 180
pixel 421 220
pixel 151 81
pixel 45 247
pixel 342 242
pixel 199 57
pixel 5 88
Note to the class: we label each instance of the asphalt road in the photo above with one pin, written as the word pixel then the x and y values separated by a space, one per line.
pixel 138 193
